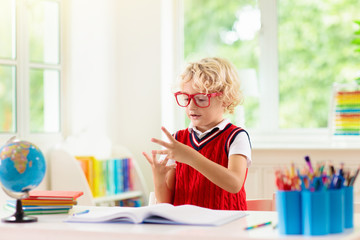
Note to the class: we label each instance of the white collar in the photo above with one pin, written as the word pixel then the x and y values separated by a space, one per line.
pixel 200 134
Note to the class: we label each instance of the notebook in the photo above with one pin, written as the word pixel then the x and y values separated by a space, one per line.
pixel 160 213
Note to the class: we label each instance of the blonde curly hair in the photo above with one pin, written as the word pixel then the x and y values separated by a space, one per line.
pixel 215 75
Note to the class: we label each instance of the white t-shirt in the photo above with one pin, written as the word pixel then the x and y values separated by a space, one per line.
pixel 240 145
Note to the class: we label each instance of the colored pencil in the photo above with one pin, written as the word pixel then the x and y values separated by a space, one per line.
pixel 258 225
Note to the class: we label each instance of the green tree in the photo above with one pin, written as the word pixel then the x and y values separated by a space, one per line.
pixel 206 24
pixel 314 52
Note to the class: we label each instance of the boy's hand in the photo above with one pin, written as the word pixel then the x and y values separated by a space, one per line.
pixel 164 177
pixel 174 149
pixel 159 168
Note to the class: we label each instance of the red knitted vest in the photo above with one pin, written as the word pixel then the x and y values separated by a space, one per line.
pixel 191 187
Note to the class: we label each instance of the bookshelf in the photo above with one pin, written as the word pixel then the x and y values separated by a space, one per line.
pixel 117 197
pixel 67 174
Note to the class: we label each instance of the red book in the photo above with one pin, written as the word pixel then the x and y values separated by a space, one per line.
pixel 51 202
pixel 58 195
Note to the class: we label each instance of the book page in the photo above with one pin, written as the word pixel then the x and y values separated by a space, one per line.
pixel 118 214
pixel 106 214
pixel 159 213
pixel 192 215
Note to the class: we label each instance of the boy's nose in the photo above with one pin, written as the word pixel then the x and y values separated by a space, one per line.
pixel 192 104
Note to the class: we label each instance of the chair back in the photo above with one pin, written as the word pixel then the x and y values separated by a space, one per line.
pixel 261 204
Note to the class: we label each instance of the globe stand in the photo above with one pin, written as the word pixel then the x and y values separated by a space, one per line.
pixel 19 216
pixel 17 180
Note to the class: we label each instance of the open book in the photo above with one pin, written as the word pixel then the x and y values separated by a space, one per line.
pixel 160 213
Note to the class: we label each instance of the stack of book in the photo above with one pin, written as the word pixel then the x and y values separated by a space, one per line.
pixel 47 202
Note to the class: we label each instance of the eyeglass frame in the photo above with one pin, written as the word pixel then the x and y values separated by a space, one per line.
pixel 191 96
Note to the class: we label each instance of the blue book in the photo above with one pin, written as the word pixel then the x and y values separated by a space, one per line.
pixel 110 183
pixel 119 176
pixel 125 174
pixel 12 204
pixel 116 177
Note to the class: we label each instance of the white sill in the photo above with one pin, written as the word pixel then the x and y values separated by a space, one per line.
pixel 302 139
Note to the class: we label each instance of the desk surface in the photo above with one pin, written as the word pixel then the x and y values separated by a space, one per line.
pixel 53 227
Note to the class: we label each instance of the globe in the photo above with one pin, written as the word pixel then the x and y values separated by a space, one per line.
pixel 22 166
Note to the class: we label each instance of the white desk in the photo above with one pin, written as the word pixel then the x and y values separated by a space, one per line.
pixel 52 227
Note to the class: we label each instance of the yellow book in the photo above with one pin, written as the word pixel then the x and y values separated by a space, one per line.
pixel 99 174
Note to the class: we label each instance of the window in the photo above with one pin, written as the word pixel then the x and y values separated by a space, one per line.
pixel 228 29
pixel 288 53
pixel 30 67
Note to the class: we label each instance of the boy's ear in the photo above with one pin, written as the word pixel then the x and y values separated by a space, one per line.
pixel 226 104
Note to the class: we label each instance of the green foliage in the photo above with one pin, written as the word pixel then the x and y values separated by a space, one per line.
pixel 356 40
pixel 206 21
pixel 40 46
pixel 205 24
pixel 7 96
pixel 314 52
pixel 36 100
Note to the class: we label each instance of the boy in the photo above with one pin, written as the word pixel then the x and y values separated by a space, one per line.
pixel 212 155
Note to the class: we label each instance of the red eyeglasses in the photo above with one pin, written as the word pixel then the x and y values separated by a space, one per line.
pixel 201 100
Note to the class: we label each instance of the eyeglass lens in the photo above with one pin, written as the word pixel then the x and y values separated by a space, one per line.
pixel 200 100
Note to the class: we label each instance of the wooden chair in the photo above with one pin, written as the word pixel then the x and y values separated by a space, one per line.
pixel 261 204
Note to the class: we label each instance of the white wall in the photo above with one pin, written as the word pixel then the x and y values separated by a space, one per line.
pixel 135 115
pixel 113 71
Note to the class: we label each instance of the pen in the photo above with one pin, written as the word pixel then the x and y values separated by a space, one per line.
pixel 347 178
pixel 82 212
pixel 258 225
pixel 321 169
pixel 354 177
pixel 292 170
pixel 334 181
pixel 350 182
pixel 307 159
pixel 341 170
pixel 332 170
pixel 303 180
pixel 275 226
pixel 317 183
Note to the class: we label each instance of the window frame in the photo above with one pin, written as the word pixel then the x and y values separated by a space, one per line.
pixel 269 135
pixel 23 66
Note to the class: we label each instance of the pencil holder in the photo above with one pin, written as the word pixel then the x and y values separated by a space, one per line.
pixel 336 210
pixel 288 205
pixel 349 206
pixel 315 212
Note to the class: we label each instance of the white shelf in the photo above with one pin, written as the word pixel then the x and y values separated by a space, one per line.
pixel 66 174
pixel 118 197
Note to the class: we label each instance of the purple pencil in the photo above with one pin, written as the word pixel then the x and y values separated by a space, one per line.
pixel 307 159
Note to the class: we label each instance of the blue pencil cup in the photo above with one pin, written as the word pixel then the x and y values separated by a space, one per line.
pixel 336 210
pixel 349 206
pixel 288 206
pixel 315 212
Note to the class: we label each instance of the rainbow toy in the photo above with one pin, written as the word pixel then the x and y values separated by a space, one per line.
pixel 347 112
